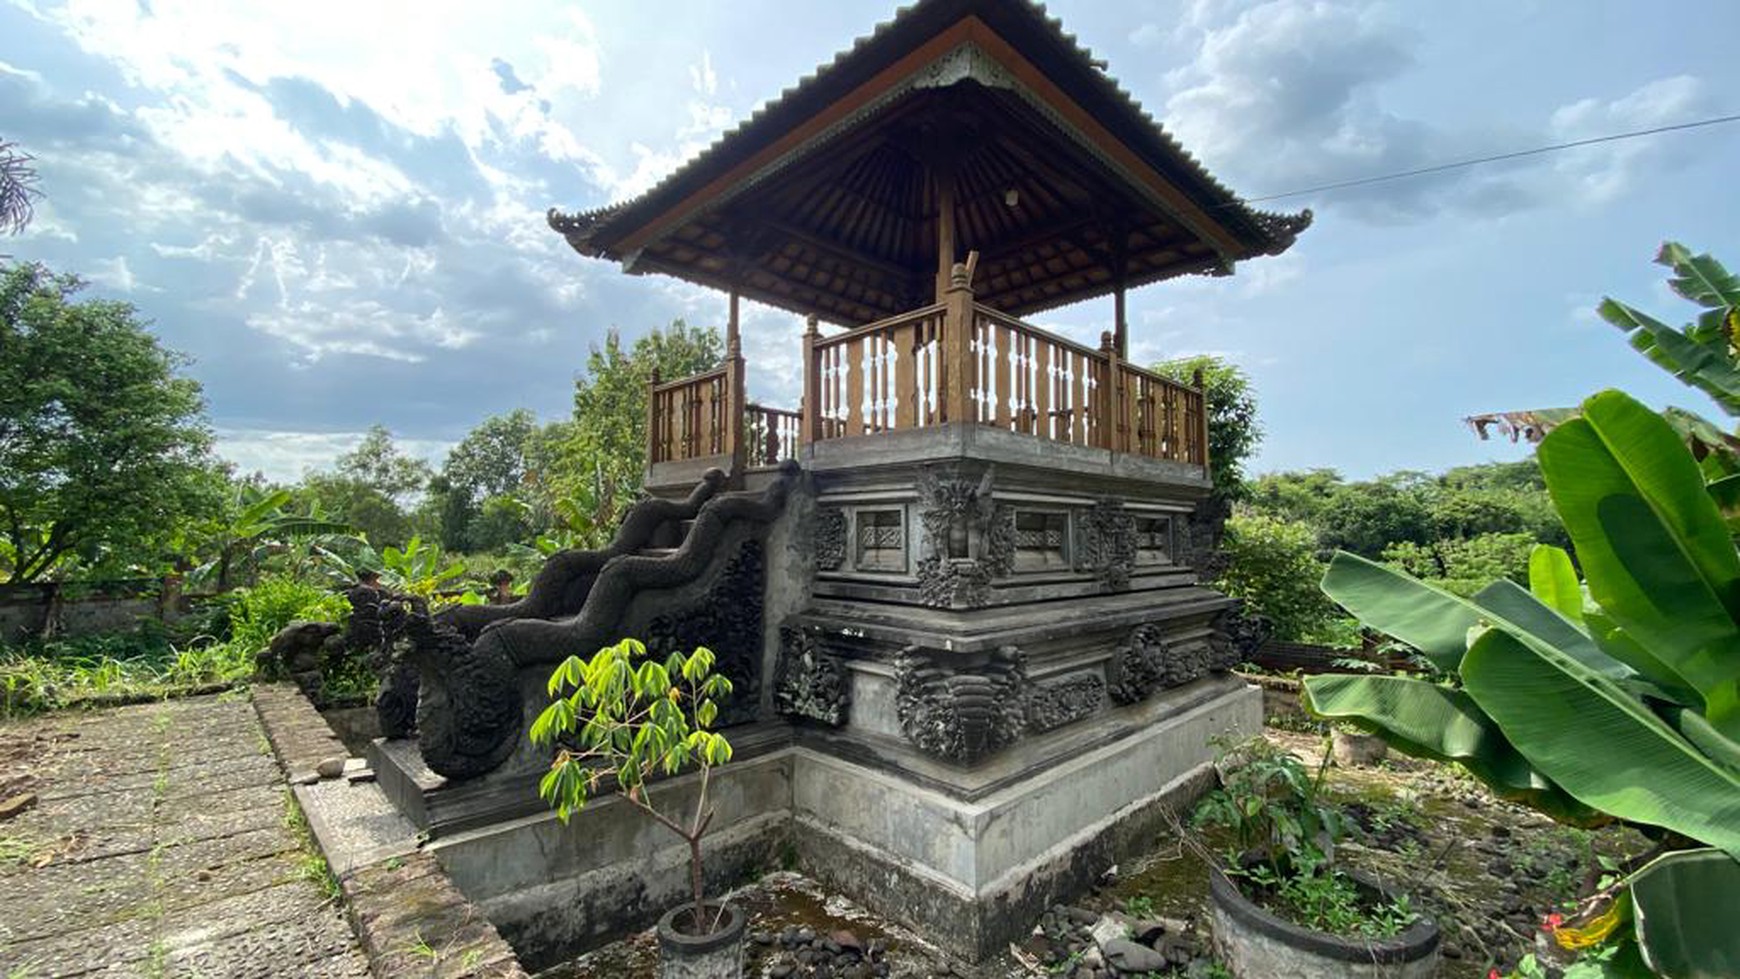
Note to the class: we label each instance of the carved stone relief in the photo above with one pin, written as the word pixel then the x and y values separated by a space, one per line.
pixel 960 715
pixel 830 538
pixel 969 539
pixel 1139 665
pixel 726 618
pixel 1237 636
pixel 812 683
pixel 1056 703
pixel 1108 543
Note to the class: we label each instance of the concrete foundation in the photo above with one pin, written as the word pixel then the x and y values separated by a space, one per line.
pixel 972 874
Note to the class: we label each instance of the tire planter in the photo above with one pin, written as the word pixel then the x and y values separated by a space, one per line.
pixel 718 955
pixel 1255 944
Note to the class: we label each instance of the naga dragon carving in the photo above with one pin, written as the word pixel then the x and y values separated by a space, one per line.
pixel 473 713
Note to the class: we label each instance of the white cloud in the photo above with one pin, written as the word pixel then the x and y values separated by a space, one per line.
pixel 285 456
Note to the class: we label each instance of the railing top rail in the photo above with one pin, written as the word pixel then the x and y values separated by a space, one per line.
pixel 1159 378
pixel 663 386
pixel 899 319
pixel 770 410
pixel 1026 327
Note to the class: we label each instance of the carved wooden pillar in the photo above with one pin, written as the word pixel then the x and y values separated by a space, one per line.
pixel 1201 416
pixel 957 345
pixel 810 427
pixel 943 173
pixel 1120 274
pixel 1106 433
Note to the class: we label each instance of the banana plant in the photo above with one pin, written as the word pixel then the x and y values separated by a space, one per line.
pixel 258 526
pixel 418 568
pixel 1621 702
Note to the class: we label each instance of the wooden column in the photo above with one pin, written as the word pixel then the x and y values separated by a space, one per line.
pixel 652 419
pixel 943 174
pixel 810 428
pixel 736 394
pixel 1201 416
pixel 1120 272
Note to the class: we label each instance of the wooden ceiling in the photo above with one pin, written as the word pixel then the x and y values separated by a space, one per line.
pixel 847 230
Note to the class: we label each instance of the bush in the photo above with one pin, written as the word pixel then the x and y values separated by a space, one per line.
pixel 1272 565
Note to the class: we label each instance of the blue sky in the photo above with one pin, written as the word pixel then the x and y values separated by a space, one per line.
pixel 337 210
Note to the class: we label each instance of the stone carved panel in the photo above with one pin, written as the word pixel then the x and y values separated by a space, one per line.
pixel 1237 636
pixel 969 539
pixel 961 715
pixel 1108 543
pixel 726 618
pixel 1147 662
pixel 1056 703
pixel 830 538
pixel 812 683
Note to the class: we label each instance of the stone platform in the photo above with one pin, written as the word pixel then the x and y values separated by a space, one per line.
pixel 970 874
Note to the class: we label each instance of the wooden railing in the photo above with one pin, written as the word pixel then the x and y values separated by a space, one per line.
pixel 686 418
pixel 954 360
pixel 882 376
pixel 770 435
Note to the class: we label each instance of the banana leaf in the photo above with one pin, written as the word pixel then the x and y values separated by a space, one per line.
pixel 1684 906
pixel 1553 580
pixel 1707 366
pixel 1425 617
pixel 1599 743
pixel 1655 550
pixel 1426 720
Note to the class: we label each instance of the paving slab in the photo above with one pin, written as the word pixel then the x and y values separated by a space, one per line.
pixel 159 847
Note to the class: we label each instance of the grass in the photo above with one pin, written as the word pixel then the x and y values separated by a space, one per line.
pixel 311 864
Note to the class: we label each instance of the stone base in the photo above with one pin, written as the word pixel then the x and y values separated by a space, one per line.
pixel 971 874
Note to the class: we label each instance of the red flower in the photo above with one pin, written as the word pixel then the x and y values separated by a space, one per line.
pixel 1552 923
pixel 1493 974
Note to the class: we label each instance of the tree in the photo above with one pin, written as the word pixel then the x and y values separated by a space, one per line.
pixel 103 447
pixel 378 464
pixel 605 452
pixel 1366 517
pixel 18 193
pixel 374 514
pixel 492 459
pixel 1233 432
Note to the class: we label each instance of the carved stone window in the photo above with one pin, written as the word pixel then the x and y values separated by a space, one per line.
pixel 1040 538
pixel 881 540
pixel 1153 540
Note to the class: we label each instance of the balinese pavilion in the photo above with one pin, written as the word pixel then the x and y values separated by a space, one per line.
pixel 955 585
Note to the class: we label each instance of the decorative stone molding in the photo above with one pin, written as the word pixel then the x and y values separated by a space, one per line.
pixel 830 538
pixel 1237 636
pixel 812 683
pixel 1000 541
pixel 1108 543
pixel 1139 665
pixel 960 715
pixel 1059 702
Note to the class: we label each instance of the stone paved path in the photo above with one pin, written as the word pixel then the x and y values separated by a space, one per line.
pixel 158 846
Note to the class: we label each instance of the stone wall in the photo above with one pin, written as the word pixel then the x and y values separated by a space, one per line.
pixel 86 608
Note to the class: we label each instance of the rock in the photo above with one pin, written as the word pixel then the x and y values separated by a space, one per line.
pixel 1109 928
pixel 846 941
pixel 304 778
pixel 331 767
pixel 1147 931
pixel 1080 916
pixel 17 805
pixel 1126 957
pixel 1358 750
pixel 1093 958
pixel 296 647
pixel 779 970
pixel 359 775
pixel 761 937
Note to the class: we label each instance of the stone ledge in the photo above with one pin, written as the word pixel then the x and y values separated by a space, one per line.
pixel 405 911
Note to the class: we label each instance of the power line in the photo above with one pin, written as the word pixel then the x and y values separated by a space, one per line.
pixel 1439 168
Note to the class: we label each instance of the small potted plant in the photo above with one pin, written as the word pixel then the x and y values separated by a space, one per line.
pixel 1281 905
pixel 620 719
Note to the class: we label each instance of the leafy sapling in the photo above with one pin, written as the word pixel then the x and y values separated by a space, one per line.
pixel 620 719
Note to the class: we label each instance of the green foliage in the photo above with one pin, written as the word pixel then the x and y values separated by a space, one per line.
pixel 1233 430
pixel 1367 517
pixel 604 453
pixel 104 450
pixel 627 718
pixel 1625 706
pixel 1702 353
pixel 1271 803
pixel 255 525
pixel 1465 565
pixel 502 520
pixel 1272 565
pixel 418 569
pixel 259 612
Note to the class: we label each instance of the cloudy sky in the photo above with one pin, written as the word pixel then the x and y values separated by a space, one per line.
pixel 336 210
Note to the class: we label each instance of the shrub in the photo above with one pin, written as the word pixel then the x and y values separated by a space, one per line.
pixel 1272 566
